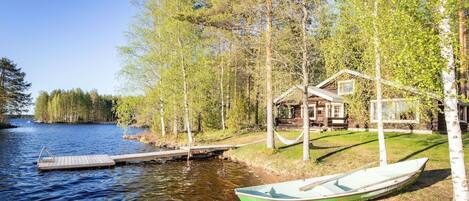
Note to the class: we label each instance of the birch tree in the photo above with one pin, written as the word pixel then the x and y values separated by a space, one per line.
pixel 379 93
pixel 456 152
pixel 305 83
pixel 268 68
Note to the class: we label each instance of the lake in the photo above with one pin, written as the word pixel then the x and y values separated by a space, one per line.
pixel 211 179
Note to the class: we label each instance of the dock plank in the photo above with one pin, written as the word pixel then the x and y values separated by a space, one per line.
pixel 71 162
pixel 149 156
pixel 89 161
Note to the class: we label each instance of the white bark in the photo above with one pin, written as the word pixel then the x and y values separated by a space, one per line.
pixel 175 121
pixel 163 126
pixel 268 66
pixel 305 83
pixel 185 89
pixel 379 93
pixel 456 152
pixel 222 97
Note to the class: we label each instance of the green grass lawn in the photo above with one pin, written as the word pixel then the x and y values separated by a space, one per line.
pixel 341 151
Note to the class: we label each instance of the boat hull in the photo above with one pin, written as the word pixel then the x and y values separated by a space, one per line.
pixel 367 195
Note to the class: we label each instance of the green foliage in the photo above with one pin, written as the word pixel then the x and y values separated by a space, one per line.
pixel 238 115
pixel 74 106
pixel 215 34
pixel 126 111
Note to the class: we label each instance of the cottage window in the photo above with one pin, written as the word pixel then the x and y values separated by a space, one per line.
pixel 396 111
pixel 345 87
pixel 312 112
pixel 286 112
pixel 462 113
pixel 337 110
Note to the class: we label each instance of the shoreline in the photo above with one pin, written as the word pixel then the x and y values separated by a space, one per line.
pixel 331 152
pixel 77 123
pixel 7 126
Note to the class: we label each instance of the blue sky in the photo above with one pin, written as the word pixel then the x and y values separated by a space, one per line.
pixel 66 43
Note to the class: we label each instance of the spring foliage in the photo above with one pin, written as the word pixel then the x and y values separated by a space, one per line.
pixel 74 106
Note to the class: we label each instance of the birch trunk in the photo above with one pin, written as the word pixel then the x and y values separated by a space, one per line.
pixel 163 126
pixel 305 85
pixel 463 50
pixel 175 121
pixel 268 67
pixel 456 152
pixel 185 89
pixel 379 94
pixel 222 97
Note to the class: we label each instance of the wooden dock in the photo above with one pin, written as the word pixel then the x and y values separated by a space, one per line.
pixel 95 161
pixel 75 162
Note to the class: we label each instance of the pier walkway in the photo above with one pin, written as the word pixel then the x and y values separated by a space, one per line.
pixel 106 161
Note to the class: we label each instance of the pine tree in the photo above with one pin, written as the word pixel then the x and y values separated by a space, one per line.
pixel 14 96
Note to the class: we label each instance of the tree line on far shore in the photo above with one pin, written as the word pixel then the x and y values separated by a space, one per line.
pixel 74 106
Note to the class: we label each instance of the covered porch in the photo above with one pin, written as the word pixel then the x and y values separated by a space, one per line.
pixel 326 109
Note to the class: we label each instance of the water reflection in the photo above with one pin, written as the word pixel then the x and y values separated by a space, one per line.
pixel 19 179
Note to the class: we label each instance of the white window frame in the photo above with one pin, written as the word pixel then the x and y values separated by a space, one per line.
pixel 342 82
pixel 414 121
pixel 314 110
pixel 341 112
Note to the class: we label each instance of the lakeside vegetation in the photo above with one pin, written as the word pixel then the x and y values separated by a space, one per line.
pixel 209 65
pixel 74 106
pixel 335 152
pixel 202 66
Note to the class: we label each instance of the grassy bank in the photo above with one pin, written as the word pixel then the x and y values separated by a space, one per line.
pixel 334 152
pixel 338 151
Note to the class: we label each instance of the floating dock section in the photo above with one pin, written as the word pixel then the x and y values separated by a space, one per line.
pixel 106 161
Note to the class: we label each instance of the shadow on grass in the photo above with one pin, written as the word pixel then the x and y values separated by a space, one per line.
pixel 325 136
pixel 426 179
pixel 422 150
pixel 327 155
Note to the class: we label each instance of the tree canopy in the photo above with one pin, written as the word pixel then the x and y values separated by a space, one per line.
pixel 74 106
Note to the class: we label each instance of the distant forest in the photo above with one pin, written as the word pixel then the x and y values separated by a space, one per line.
pixel 74 106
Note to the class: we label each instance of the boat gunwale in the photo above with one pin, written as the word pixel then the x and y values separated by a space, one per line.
pixel 346 194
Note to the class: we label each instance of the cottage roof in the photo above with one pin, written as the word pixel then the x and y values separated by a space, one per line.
pixel 312 90
pixel 385 82
pixel 333 97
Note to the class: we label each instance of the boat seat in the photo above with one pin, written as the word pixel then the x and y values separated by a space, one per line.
pixel 357 181
pixel 330 188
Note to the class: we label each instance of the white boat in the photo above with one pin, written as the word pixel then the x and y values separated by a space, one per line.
pixel 362 184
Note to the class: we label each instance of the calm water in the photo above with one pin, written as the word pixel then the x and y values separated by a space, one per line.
pixel 19 179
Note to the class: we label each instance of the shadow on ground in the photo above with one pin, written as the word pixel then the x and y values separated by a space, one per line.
pixel 327 155
pixel 318 138
pixel 422 150
pixel 426 179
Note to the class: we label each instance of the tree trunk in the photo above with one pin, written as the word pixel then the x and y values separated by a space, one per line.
pixel 199 122
pixel 163 127
pixel 305 84
pixel 379 93
pixel 456 152
pixel 175 121
pixel 463 51
pixel 268 66
pixel 222 96
pixel 185 88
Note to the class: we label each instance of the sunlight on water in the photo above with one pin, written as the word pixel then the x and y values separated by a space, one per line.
pixel 206 179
